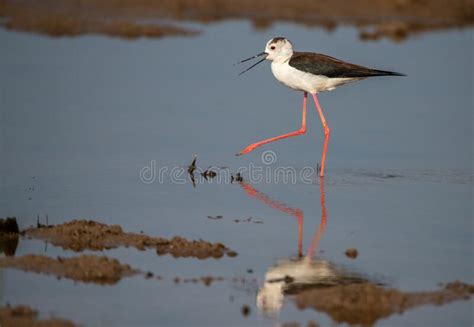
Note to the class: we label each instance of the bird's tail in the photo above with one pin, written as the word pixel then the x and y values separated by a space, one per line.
pixel 376 72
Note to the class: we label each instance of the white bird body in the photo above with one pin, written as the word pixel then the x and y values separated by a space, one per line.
pixel 303 81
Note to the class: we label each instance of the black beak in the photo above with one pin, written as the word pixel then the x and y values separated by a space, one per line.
pixel 256 56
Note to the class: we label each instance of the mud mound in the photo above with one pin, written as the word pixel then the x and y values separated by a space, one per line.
pixel 79 235
pixel 23 316
pixel 85 268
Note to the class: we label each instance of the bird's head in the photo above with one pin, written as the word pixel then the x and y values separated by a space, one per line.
pixel 279 49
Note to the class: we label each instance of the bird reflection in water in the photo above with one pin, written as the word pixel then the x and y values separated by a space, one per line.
pixel 345 296
pixel 293 275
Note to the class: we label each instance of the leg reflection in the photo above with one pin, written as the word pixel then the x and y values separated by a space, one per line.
pixel 296 213
pixel 322 226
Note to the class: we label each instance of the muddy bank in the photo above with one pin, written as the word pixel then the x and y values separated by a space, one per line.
pixel 79 235
pixel 364 304
pixel 374 18
pixel 73 18
pixel 85 268
pixel 57 26
pixel 23 316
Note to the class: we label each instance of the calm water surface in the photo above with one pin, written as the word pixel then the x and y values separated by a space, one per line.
pixel 80 118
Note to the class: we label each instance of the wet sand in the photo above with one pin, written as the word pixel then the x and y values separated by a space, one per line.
pixel 375 19
pixel 86 268
pixel 364 304
pixel 80 235
pixel 24 316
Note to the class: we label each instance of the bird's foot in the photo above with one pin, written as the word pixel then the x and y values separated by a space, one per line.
pixel 248 149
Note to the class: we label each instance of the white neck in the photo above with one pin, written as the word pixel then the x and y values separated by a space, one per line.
pixel 282 57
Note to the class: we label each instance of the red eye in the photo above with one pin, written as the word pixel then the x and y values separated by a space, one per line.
pixel 272 47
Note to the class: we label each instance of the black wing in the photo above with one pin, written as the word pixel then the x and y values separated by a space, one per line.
pixel 319 64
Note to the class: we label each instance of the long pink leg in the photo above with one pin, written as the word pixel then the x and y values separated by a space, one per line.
pixel 327 133
pixel 301 131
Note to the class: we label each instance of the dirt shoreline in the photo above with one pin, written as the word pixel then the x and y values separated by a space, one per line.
pixel 79 235
pixel 24 316
pixel 375 19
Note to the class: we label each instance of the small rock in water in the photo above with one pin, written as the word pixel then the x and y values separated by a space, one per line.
pixel 208 173
pixel 237 177
pixel 215 217
pixel 352 253
pixel 245 310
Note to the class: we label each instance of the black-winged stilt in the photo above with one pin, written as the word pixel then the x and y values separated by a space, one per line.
pixel 311 73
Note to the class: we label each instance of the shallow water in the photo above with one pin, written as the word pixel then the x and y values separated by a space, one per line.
pixel 81 118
